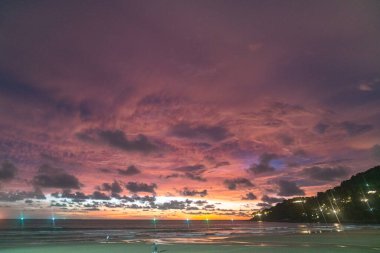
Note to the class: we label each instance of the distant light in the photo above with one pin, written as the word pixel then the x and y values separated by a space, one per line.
pixel 371 192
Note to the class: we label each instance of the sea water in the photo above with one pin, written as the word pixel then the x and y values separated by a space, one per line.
pixel 36 232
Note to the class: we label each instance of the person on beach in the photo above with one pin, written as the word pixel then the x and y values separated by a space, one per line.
pixel 154 248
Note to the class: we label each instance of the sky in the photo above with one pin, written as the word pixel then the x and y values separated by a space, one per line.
pixel 183 109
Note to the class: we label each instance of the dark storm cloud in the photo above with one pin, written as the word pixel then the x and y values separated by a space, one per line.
pixel 189 192
pixel 136 187
pixel 21 195
pixel 51 177
pixel 130 171
pixel 117 139
pixel 320 128
pixel 271 200
pixel 354 129
pixel 287 188
pixel 249 196
pixel 189 131
pixel 264 164
pixel 7 171
pixel 232 184
pixel 326 173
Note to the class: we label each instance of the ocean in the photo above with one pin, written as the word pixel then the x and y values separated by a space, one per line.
pixel 39 232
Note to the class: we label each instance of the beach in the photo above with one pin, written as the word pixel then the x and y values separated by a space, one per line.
pixel 358 240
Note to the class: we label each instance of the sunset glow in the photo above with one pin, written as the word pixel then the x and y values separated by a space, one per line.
pixel 199 110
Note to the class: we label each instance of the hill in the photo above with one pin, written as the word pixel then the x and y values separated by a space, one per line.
pixel 356 200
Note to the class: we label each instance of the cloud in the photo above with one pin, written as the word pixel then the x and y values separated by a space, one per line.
pixel 21 195
pixel 91 109
pixel 221 164
pixel 271 200
pixel 320 128
pixel 195 177
pixel 31 94
pixel 325 173
pixel 354 129
pixel 130 171
pixel 264 164
pixel 99 195
pixel 232 184
pixel 188 192
pixel 193 172
pixel 264 205
pixel 173 204
pixel 51 177
pixel 286 139
pixel 375 150
pixel 369 85
pixel 135 187
pixel 288 188
pixel 149 199
pixel 249 196
pixel 76 197
pixel 117 139
pixel 26 92
pixel 209 207
pixel 7 171
pixel 114 187
pixel 189 131
pixel 105 170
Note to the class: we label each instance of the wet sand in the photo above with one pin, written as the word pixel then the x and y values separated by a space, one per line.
pixel 346 241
